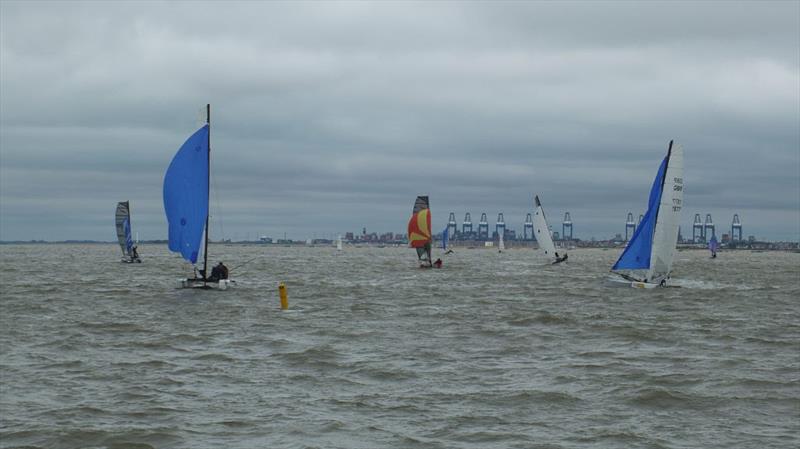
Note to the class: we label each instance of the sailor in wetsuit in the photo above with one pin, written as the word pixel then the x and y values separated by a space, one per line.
pixel 218 272
pixel 560 259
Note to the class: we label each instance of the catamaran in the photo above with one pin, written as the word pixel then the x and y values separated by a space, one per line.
pixel 647 260
pixel 123 222
pixel 542 233
pixel 712 246
pixel 186 195
pixel 419 231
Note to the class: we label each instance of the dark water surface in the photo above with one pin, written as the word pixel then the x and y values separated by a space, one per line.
pixel 494 350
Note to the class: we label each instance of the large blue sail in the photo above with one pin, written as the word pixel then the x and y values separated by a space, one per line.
pixel 637 254
pixel 445 238
pixel 186 195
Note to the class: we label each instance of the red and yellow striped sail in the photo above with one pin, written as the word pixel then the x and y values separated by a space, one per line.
pixel 419 228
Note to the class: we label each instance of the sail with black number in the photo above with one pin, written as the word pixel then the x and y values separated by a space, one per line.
pixel 541 231
pixel 419 229
pixel 122 219
pixel 647 260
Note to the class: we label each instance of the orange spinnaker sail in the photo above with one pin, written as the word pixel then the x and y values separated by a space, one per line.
pixel 419 228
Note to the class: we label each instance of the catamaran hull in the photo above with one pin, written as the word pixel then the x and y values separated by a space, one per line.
pixel 617 282
pixel 131 261
pixel 222 284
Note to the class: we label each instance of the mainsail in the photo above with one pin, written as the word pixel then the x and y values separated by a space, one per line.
pixel 713 245
pixel 186 196
pixel 542 231
pixel 123 222
pixel 419 228
pixel 445 238
pixel 652 246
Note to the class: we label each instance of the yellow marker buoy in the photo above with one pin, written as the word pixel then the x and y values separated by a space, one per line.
pixel 284 300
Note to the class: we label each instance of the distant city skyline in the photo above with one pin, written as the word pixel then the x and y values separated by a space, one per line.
pixel 331 116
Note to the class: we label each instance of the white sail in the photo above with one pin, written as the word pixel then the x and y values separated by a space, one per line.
pixel 542 231
pixel 339 243
pixel 501 244
pixel 665 236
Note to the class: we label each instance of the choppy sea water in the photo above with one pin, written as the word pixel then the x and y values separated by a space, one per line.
pixel 494 350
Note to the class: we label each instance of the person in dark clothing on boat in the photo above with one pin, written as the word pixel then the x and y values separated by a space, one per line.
pixel 134 254
pixel 561 259
pixel 219 272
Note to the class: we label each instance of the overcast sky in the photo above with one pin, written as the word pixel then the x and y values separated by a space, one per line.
pixel 328 117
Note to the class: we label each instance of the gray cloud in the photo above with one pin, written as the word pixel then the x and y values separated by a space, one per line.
pixel 332 116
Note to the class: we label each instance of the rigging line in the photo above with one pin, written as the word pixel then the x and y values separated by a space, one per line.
pixel 244 263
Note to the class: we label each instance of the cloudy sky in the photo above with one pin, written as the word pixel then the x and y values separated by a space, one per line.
pixel 328 117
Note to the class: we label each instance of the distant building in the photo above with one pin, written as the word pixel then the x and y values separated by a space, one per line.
pixel 349 237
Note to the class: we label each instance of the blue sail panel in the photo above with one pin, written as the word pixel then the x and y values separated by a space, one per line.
pixel 186 196
pixel 445 238
pixel 637 254
pixel 126 226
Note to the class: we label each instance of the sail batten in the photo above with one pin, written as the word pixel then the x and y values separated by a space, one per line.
pixel 186 196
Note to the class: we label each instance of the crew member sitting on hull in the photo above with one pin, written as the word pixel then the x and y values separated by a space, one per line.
pixel 218 273
pixel 561 259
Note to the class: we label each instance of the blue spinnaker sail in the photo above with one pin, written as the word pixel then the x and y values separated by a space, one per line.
pixel 445 238
pixel 637 254
pixel 186 195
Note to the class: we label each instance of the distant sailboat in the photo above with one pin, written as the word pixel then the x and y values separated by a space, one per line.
pixel 712 246
pixel 419 230
pixel 542 233
pixel 339 243
pixel 647 260
pixel 186 188
pixel 501 245
pixel 123 225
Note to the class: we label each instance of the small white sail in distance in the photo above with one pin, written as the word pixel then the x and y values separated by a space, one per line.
pixel 542 232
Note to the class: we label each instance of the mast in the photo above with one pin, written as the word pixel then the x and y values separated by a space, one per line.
pixel 208 187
